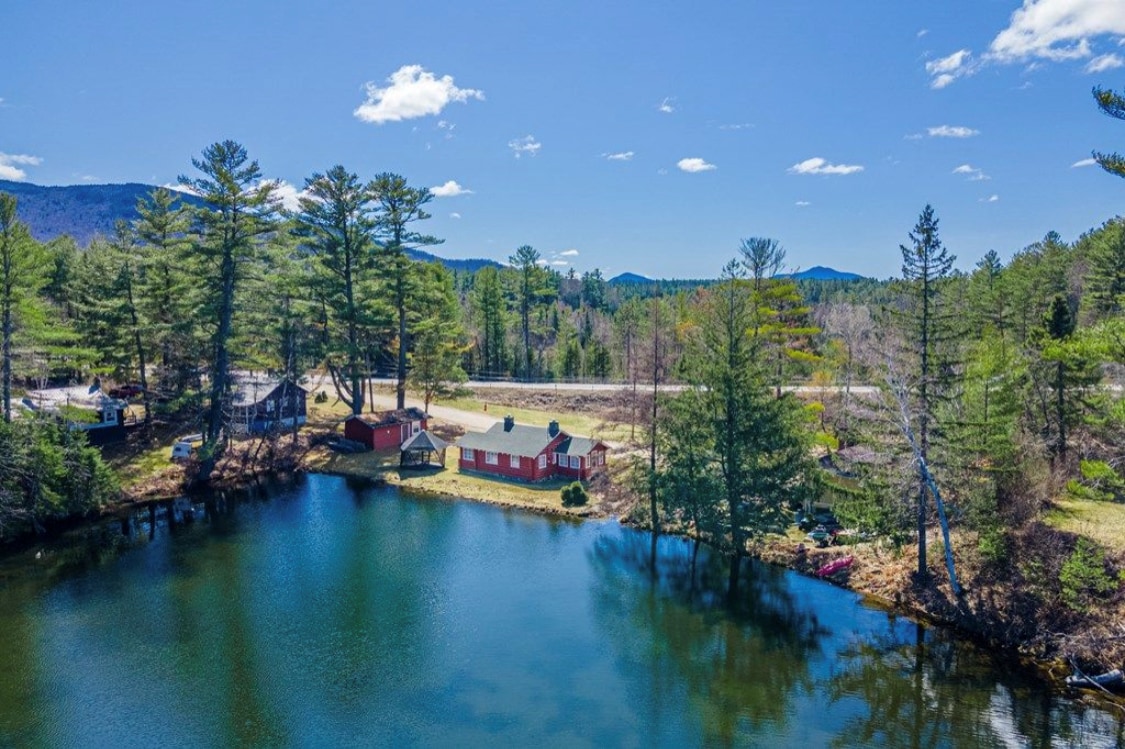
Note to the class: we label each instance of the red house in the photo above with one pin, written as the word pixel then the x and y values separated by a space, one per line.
pixel 388 429
pixel 530 453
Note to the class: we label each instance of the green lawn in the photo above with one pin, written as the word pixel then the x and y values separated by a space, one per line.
pixel 1103 522
pixel 584 425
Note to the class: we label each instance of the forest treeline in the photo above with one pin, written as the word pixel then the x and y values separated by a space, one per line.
pixel 999 385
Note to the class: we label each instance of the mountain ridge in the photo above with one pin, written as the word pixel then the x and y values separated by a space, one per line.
pixel 87 211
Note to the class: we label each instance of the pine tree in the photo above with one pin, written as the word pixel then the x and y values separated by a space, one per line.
pixel 398 206
pixel 22 265
pixel 336 224
pixel 926 265
pixel 239 210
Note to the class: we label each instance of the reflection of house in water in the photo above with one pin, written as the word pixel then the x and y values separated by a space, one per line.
pixel 86 408
pixel 261 403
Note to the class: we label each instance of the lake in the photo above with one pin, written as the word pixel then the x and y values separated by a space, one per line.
pixel 323 613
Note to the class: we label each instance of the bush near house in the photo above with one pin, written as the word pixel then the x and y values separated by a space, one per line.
pixel 574 495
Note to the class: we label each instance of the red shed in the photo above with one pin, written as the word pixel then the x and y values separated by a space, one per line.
pixel 530 453
pixel 388 429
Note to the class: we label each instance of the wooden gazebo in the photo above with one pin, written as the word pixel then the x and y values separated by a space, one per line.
pixel 418 451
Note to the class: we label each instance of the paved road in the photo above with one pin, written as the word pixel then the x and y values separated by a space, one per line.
pixel 617 386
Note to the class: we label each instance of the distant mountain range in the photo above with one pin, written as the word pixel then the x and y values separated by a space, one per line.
pixel 816 273
pixel 821 273
pixel 87 211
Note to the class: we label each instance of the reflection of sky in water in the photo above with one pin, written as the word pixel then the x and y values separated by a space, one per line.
pixel 331 615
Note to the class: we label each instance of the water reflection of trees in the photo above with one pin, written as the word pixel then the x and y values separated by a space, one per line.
pixel 739 664
pixel 925 689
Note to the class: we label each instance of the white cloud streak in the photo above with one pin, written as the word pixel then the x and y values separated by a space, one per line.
pixel 1102 63
pixel 951 131
pixel 455 214
pixel 666 106
pixel 622 156
pixel 802 203
pixel 1083 162
pixel 818 165
pixel 569 253
pixel 449 190
pixel 694 164
pixel 10 164
pixel 990 199
pixel 413 92
pixel 525 145
pixel 973 173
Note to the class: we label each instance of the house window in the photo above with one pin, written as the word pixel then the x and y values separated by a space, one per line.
pixel 543 461
pixel 514 461
pixel 467 453
pixel 109 417
pixel 269 406
pixel 492 458
pixel 560 459
pixel 416 426
pixel 575 461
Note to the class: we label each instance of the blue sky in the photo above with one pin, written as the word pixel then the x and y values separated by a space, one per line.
pixel 641 136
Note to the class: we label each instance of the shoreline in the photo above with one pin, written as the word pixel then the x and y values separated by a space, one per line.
pixel 902 598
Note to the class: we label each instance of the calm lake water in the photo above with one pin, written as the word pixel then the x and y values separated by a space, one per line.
pixel 322 614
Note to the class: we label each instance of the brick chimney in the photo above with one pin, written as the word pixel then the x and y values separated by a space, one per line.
pixel 553 428
pixel 509 422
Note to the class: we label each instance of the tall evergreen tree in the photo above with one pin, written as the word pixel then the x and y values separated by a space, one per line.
pixel 926 265
pixel 1113 104
pixel 336 225
pixel 22 266
pixel 239 210
pixel 488 302
pixel 397 207
pixel 530 289
pixel 169 296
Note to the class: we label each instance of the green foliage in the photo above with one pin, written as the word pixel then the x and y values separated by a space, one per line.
pixel 48 472
pixel 574 495
pixel 1083 576
pixel 993 545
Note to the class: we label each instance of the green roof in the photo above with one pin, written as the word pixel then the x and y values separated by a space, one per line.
pixel 525 441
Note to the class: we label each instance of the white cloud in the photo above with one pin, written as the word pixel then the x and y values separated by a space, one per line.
pixel 990 199
pixel 1102 63
pixel 288 194
pixel 1083 162
pixel 622 156
pixel 666 106
pixel 802 203
pixel 952 131
pixel 559 262
pixel 413 92
pixel 569 253
pixel 974 174
pixel 1044 31
pixel 913 136
pixel 921 33
pixel 737 126
pixel 694 164
pixel 947 69
pixel 1057 29
pixel 10 164
pixel 449 190
pixel 527 144
pixel 455 214
pixel 817 165
pixel 541 261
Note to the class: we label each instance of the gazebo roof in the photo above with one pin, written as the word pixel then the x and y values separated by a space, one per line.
pixel 424 441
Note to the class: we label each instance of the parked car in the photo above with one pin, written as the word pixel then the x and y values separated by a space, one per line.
pixel 126 392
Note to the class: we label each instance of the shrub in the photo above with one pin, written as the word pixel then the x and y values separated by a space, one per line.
pixel 1083 576
pixel 574 495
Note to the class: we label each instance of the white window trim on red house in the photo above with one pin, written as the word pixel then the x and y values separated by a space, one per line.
pixel 543 460
pixel 491 458
pixel 575 461
pixel 514 461
pixel 467 453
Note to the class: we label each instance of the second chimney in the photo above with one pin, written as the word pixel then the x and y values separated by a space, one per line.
pixel 509 422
